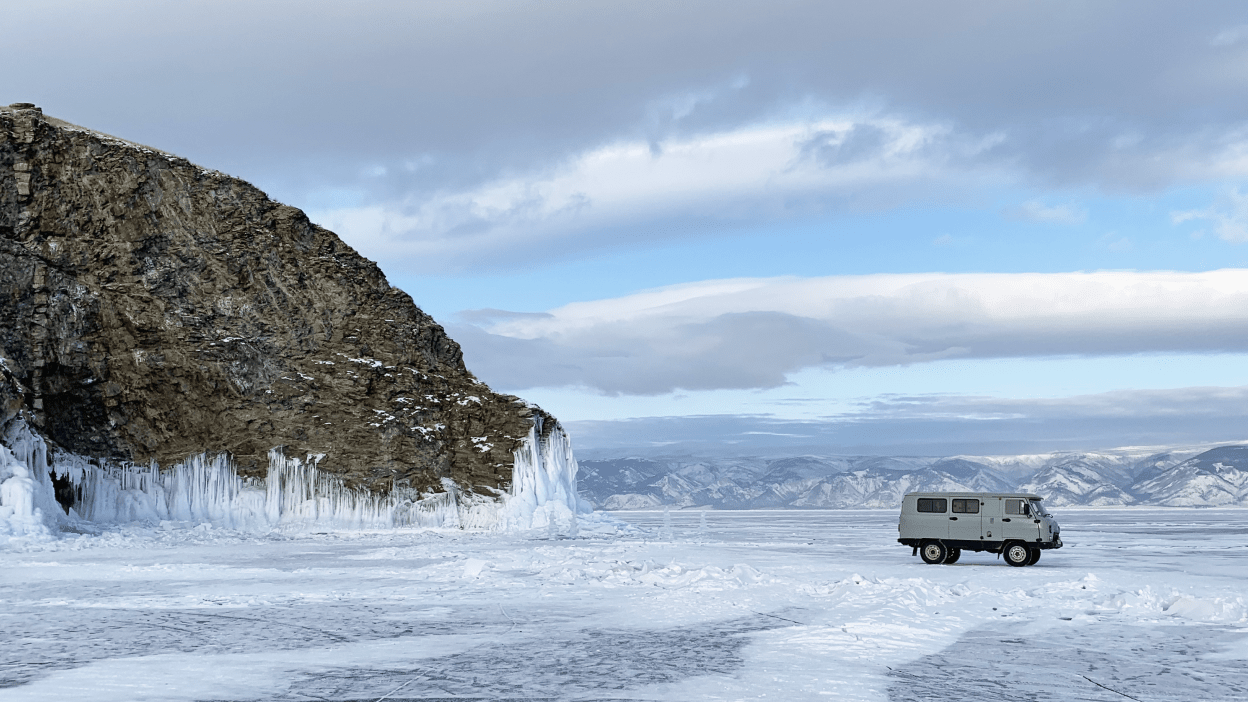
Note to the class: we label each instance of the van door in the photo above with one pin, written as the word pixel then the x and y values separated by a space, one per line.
pixel 932 518
pixel 1018 521
pixel 990 518
pixel 964 518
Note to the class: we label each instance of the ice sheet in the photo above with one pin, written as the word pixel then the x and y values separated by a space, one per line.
pixel 773 605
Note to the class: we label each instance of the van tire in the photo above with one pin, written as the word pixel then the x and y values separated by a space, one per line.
pixel 1016 554
pixel 933 552
pixel 954 555
pixel 1035 555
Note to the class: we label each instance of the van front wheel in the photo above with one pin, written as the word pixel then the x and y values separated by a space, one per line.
pixel 933 552
pixel 1017 554
pixel 953 556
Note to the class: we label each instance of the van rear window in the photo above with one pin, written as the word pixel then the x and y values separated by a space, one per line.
pixel 966 506
pixel 932 504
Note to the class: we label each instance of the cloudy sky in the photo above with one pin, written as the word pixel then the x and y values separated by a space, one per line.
pixel 900 227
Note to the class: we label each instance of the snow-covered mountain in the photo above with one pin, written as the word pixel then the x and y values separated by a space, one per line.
pixel 1177 477
pixel 1216 477
pixel 1158 463
pixel 1083 479
pixel 756 483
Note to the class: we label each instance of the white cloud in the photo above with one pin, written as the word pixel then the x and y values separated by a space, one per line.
pixel 492 94
pixel 753 332
pixel 635 189
pixel 942 425
pixel 1229 216
pixel 769 170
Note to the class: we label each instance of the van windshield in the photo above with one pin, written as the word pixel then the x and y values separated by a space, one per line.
pixel 1038 509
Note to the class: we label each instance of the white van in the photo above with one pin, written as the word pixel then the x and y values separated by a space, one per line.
pixel 940 525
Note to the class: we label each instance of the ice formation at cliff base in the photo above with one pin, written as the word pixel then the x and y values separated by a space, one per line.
pixel 295 495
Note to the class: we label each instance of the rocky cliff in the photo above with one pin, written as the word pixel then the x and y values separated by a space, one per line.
pixel 152 310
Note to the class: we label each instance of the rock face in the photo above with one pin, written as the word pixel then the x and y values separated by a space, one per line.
pixel 151 310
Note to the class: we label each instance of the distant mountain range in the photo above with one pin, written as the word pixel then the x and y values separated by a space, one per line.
pixel 1180 478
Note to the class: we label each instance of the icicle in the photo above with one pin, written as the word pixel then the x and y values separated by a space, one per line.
pixel 543 485
pixel 28 505
pixel 295 494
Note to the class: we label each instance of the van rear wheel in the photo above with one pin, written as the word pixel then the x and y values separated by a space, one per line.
pixel 933 552
pixel 954 555
pixel 1017 554
pixel 1035 555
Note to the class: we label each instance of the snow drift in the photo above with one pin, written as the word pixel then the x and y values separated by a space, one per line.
pixel 295 494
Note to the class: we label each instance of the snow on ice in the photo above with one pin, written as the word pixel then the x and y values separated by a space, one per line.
pixel 194 584
pixel 1147 603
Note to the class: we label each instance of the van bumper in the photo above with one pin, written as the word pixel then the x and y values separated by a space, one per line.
pixel 1055 543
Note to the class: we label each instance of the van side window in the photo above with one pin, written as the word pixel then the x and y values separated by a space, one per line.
pixel 966 506
pixel 930 504
pixel 1014 507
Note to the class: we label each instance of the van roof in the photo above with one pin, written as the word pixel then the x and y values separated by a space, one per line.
pixel 1016 495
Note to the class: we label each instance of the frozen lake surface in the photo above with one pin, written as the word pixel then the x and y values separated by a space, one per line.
pixel 1144 604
